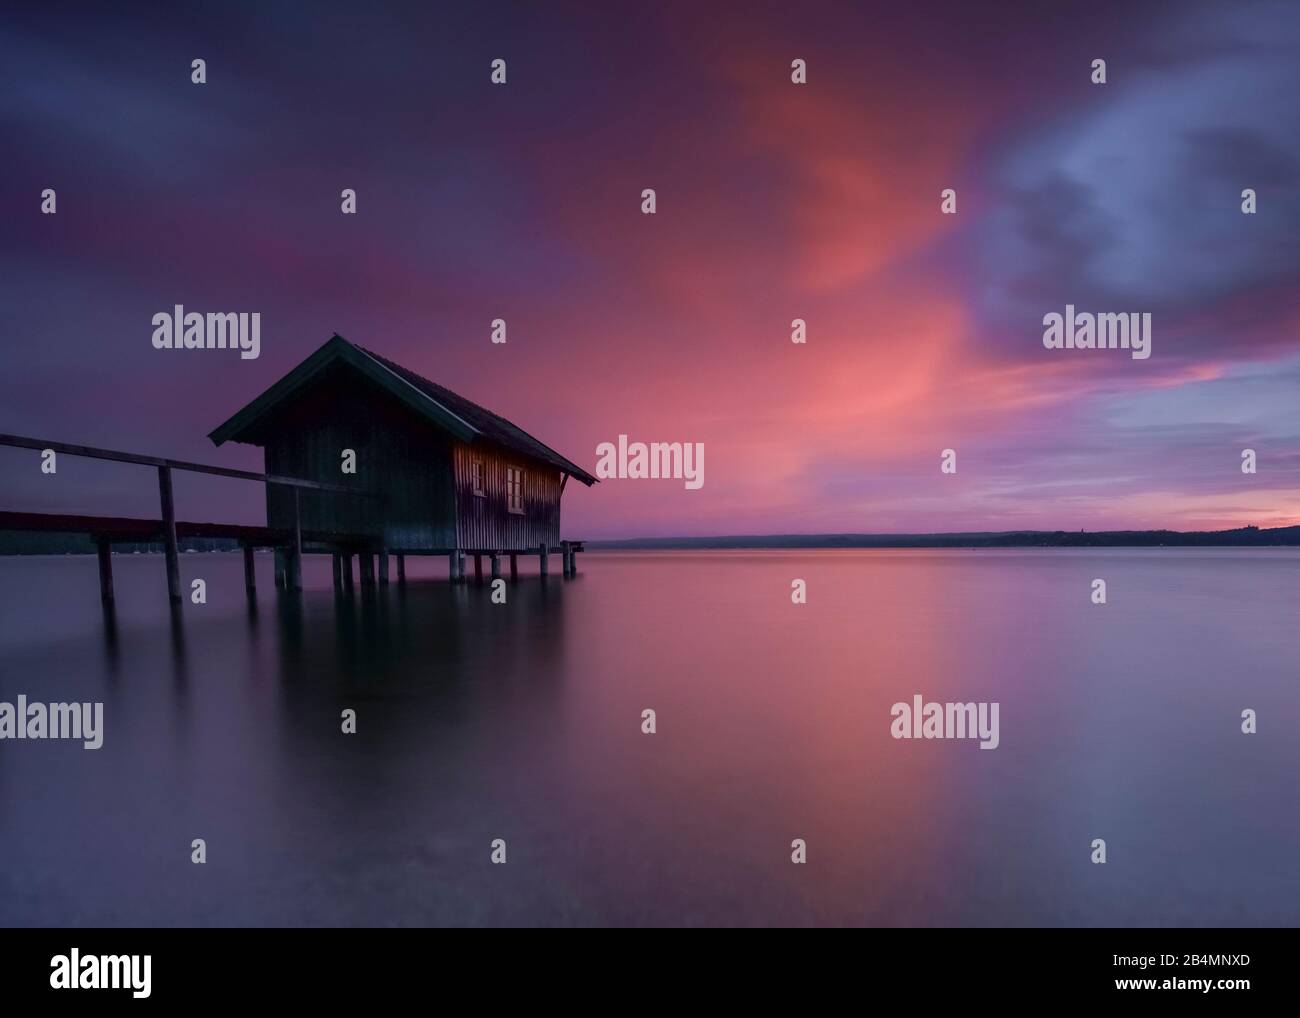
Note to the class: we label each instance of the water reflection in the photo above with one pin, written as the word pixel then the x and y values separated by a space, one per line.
pixel 522 721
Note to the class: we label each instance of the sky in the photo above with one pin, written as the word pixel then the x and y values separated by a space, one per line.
pixel 775 201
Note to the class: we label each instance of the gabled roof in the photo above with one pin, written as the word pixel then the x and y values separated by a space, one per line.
pixel 440 406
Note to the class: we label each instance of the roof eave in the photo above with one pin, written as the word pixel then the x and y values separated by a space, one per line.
pixel 335 349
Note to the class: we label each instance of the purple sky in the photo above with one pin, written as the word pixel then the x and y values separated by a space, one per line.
pixel 775 201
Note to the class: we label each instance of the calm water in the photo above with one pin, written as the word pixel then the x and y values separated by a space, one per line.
pixel 522 722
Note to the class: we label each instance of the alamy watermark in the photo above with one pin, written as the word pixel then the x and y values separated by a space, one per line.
pixel 23 720
pixel 678 460
pixel 75 971
pixel 920 720
pixel 1086 331
pixel 228 330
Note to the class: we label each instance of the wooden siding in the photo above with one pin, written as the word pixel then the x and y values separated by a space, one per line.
pixel 398 454
pixel 484 523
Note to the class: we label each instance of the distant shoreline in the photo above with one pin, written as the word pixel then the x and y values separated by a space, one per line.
pixel 1242 537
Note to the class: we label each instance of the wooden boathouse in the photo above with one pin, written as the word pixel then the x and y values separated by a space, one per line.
pixel 363 457
pixel 445 475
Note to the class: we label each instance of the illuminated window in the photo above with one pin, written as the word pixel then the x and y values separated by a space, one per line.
pixel 478 472
pixel 514 489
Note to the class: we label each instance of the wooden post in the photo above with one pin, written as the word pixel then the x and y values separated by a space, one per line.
pixel 451 567
pixel 573 560
pixel 250 574
pixel 105 571
pixel 460 567
pixel 542 556
pixel 347 572
pixel 295 552
pixel 169 534
pixel 478 567
pixel 564 558
pixel 401 570
pixel 338 570
pixel 383 567
pixel 367 564
pixel 280 572
pixel 514 566
pixel 496 565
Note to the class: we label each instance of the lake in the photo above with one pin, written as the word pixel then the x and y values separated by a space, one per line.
pixel 523 722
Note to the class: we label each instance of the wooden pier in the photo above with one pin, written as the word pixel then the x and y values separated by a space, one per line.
pixel 290 543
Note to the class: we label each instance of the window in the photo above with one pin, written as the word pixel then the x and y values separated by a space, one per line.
pixel 514 489
pixel 478 476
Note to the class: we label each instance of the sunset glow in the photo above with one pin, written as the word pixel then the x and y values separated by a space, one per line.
pixel 776 202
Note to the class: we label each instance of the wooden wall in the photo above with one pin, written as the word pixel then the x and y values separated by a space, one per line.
pixel 398 453
pixel 483 521
pixel 424 474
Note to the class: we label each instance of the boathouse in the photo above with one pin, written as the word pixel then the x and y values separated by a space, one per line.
pixel 439 473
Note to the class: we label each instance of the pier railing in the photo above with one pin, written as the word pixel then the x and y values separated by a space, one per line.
pixel 165 467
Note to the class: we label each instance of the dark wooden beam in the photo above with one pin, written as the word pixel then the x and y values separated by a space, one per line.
pixel 250 574
pixel 105 571
pixel 295 549
pixel 169 534
pixel 90 452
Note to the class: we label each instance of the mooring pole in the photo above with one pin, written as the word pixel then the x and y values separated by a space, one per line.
pixel 542 556
pixel 169 534
pixel 496 565
pixel 401 569
pixel 105 570
pixel 347 572
pixel 478 567
pixel 514 566
pixel 460 567
pixel 295 552
pixel 366 562
pixel 338 570
pixel 383 567
pixel 250 574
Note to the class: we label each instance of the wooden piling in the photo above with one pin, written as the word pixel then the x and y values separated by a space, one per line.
pixel 347 572
pixel 295 550
pixel 250 574
pixel 169 534
pixel 366 561
pixel 383 567
pixel 478 568
pixel 496 565
pixel 105 571
pixel 337 561
pixel 460 567
pixel 281 557
pixel 401 570
pixel 514 566
pixel 543 555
